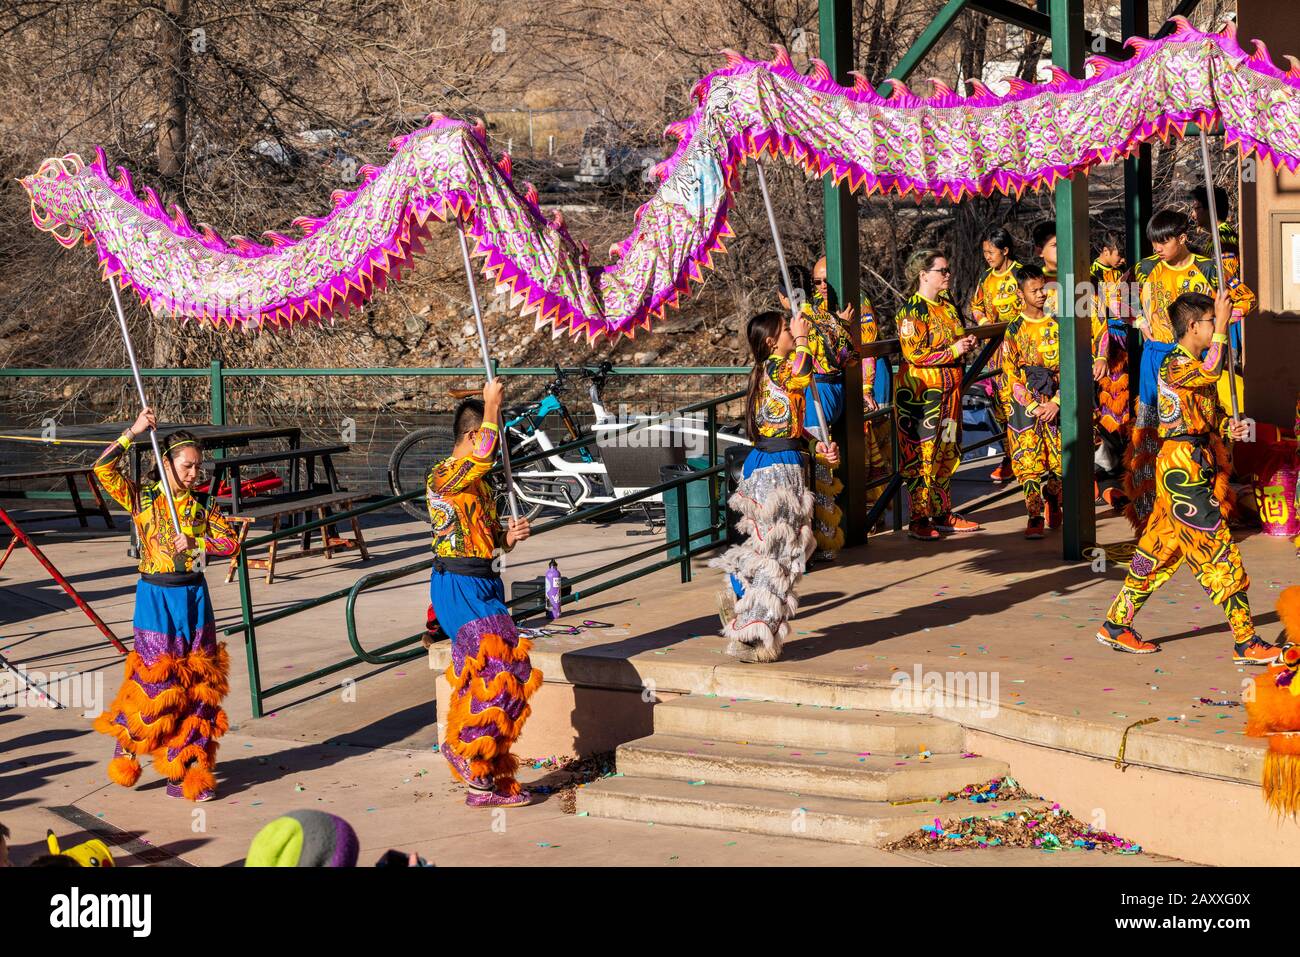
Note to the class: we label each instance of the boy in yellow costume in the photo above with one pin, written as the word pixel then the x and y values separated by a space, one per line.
pixel 1031 364
pixel 1162 278
pixel 1187 521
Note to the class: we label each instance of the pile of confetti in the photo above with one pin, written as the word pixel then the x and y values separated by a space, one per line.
pixel 568 774
pixel 999 789
pixel 1047 829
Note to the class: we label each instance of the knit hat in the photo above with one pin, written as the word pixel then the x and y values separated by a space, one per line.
pixel 304 839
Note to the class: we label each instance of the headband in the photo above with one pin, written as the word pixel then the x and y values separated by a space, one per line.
pixel 180 445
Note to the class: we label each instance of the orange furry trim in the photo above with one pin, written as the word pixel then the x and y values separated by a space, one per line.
pixel 165 667
pixel 197 779
pixel 504 768
pixel 1281 783
pixel 485 752
pixel 1222 490
pixel 124 770
pixel 1284 743
pixel 1288 609
pixel 1270 709
pixel 173 768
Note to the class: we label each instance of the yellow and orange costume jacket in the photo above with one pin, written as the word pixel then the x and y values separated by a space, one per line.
pixel 1031 369
pixel 153 522
pixel 461 506
pixel 779 413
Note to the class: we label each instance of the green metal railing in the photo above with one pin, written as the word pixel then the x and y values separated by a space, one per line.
pixel 398 651
pixel 691 544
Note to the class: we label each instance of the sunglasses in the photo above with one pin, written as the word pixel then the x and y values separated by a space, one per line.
pixel 945 271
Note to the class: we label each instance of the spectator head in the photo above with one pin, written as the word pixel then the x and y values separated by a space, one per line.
pixel 304 839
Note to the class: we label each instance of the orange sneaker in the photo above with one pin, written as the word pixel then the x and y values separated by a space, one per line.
pixel 1126 639
pixel 1254 651
pixel 923 531
pixel 952 523
pixel 1003 473
pixel 1034 529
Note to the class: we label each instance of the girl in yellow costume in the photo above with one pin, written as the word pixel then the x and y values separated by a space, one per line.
pixel 169 705
pixel 1031 358
pixel 1162 278
pixel 997 299
pixel 490 674
pixel 772 498
pixel 1187 522
pixel 927 396
pixel 1110 363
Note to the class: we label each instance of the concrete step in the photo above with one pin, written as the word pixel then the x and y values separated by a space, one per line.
pixel 757 811
pixel 805 726
pixel 826 772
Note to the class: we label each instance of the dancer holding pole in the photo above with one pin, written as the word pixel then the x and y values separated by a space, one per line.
pixel 490 674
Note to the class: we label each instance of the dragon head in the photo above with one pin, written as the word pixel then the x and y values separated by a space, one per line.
pixel 56 208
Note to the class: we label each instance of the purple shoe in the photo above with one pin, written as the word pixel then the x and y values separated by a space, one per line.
pixel 174 790
pixel 497 799
pixel 460 768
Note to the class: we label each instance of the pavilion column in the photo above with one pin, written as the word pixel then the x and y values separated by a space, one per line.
pixel 1080 528
pixel 835 18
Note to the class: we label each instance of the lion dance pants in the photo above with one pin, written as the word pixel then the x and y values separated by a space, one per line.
pixel 169 705
pixel 1187 524
pixel 490 675
pixel 1036 462
pixel 929 439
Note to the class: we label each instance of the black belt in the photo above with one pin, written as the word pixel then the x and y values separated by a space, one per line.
pixel 1199 438
pixel 828 377
pixel 172 579
pixel 474 567
pixel 781 445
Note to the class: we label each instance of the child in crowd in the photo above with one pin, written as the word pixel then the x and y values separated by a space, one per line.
pixel 997 299
pixel 1031 363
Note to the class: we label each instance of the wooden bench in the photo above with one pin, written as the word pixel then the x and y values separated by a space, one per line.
pixel 279 507
pixel 69 475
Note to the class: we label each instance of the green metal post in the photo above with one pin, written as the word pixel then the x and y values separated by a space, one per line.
pixel 919 48
pixel 683 533
pixel 250 638
pixel 715 487
pixel 217 398
pixel 835 19
pixel 1080 529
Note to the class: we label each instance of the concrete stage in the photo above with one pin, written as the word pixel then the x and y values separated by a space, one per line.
pixel 1046 699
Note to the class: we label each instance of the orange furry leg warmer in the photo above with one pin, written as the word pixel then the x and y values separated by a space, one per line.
pixel 488 707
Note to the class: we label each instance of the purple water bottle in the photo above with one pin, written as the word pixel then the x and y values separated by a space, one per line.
pixel 553 590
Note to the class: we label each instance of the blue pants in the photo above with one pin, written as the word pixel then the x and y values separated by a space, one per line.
pixel 459 599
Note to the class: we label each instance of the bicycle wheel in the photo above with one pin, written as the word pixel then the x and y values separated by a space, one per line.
pixel 409 464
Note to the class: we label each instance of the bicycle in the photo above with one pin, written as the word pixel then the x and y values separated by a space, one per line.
pixel 553 481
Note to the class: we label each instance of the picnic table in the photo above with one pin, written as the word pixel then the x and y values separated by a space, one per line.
pixel 68 474
pixel 306 497
pixel 96 436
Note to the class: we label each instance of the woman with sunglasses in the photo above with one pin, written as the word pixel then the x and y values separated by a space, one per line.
pixel 927 396
pixel 169 705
